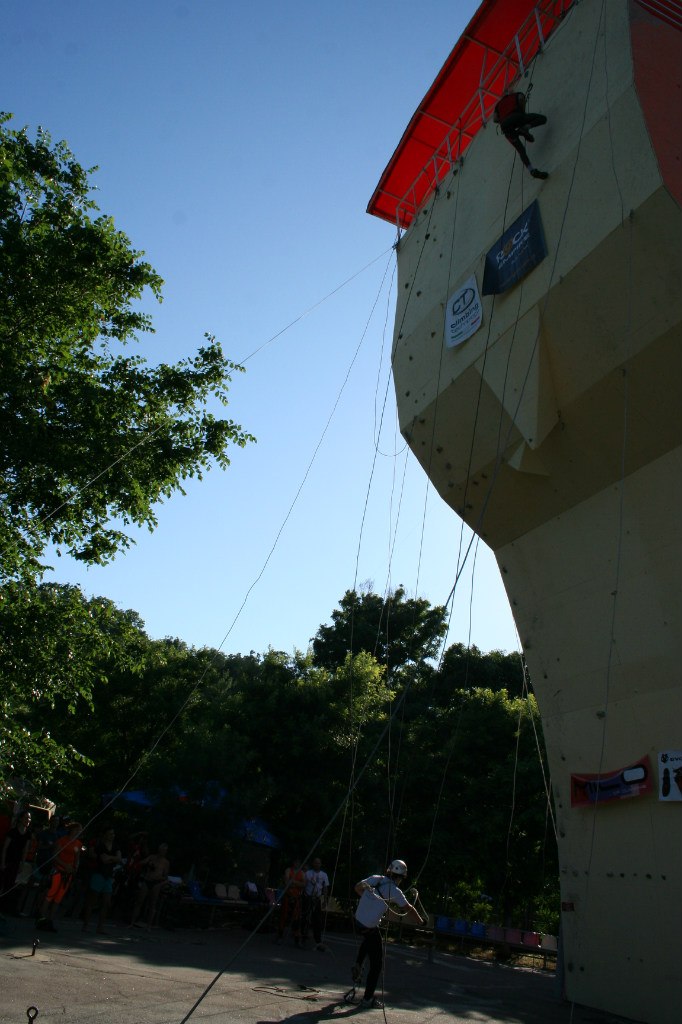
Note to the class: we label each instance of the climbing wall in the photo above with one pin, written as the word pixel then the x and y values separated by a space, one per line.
pixel 555 431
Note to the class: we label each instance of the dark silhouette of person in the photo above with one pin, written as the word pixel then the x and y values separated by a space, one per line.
pixel 516 122
pixel 12 856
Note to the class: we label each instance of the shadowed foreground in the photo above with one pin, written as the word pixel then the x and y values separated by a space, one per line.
pixel 134 977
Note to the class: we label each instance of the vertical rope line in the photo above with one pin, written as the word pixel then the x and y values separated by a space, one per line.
pixel 534 348
pixel 621 505
pixel 357 732
pixel 545 780
pixel 461 563
pixel 376 452
pixel 498 461
pixel 432 440
pixel 315 846
pixel 614 606
pixel 513 806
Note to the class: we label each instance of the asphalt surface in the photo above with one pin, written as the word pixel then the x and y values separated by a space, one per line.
pixel 131 976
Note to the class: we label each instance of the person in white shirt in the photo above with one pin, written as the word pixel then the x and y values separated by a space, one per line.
pixel 377 893
pixel 314 900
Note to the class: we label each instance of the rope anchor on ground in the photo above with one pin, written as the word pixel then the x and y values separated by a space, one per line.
pixel 356 973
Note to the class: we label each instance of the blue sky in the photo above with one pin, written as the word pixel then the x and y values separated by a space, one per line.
pixel 238 146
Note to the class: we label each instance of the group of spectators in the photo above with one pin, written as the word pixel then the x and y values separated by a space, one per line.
pixel 52 871
pixel 302 902
pixel 60 864
pixel 42 869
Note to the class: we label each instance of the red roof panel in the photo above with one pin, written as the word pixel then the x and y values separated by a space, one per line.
pixel 501 36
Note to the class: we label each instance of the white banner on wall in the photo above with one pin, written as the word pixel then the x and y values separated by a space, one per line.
pixel 463 314
pixel 670 775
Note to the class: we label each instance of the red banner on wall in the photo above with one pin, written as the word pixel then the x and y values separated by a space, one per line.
pixel 634 780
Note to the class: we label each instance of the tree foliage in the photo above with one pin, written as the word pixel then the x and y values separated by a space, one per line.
pixel 396 630
pixel 433 764
pixel 463 667
pixel 56 650
pixel 89 432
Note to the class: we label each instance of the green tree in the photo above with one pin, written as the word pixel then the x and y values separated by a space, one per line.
pixel 453 781
pixel 56 647
pixel 89 433
pixel 487 826
pixel 123 732
pixel 396 630
pixel 463 667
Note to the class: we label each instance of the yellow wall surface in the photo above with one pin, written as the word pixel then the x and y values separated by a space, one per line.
pixel 556 432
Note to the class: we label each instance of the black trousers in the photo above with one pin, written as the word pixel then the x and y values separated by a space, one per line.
pixel 373 948
pixel 312 917
pixel 516 125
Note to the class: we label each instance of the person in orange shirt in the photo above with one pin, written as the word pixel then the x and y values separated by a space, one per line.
pixel 66 857
pixel 292 899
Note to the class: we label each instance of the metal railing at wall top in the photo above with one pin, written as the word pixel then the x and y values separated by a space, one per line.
pixel 506 67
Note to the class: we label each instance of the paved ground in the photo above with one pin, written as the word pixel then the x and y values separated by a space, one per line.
pixel 135 977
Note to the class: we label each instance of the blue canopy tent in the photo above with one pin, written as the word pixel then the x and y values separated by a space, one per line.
pixel 254 830
pixel 131 796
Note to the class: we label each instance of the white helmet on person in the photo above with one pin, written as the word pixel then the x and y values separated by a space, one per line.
pixel 398 868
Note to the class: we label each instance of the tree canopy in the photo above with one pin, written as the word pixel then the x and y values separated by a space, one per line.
pixel 436 764
pixel 396 630
pixel 56 649
pixel 433 759
pixel 91 436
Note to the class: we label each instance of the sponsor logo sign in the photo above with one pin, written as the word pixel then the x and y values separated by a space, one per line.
pixel 670 775
pixel 516 253
pixel 633 780
pixel 463 314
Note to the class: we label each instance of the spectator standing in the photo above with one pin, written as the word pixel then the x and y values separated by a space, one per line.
pixel 107 857
pixel 66 858
pixel 315 894
pixel 12 857
pixel 136 850
pixel 153 876
pixel 46 841
pixel 80 885
pixel 291 904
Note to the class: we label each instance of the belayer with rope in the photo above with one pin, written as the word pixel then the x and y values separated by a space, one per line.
pixel 377 893
pixel 515 122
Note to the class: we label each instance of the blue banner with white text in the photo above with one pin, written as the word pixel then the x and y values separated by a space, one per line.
pixel 520 248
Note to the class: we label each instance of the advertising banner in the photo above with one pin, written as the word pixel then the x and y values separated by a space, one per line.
pixel 463 314
pixel 634 780
pixel 670 775
pixel 520 248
